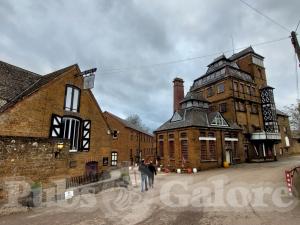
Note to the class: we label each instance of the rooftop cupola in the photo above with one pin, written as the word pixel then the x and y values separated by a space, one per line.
pixel 194 100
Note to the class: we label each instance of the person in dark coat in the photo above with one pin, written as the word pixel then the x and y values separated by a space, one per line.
pixel 152 170
pixel 144 175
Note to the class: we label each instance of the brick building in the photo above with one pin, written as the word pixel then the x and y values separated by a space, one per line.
pixel 130 143
pixel 196 137
pixel 233 90
pixel 295 142
pixel 237 87
pixel 286 144
pixel 57 111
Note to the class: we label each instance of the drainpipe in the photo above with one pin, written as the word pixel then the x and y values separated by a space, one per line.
pixel 275 154
pixel 140 152
pixel 264 150
pixel 222 147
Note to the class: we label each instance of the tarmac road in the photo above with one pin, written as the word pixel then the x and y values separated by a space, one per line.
pixel 243 194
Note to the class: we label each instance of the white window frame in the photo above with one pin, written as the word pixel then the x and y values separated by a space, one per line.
pixel 68 132
pixel 114 158
pixel 219 121
pixel 72 99
pixel 257 61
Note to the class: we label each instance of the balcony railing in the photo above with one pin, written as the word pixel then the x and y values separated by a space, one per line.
pixel 265 136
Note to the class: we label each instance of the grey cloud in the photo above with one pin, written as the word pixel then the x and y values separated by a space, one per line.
pixel 113 34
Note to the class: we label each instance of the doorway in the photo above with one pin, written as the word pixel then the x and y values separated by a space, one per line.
pixel 91 168
pixel 228 156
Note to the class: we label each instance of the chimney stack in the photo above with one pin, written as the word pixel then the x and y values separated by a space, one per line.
pixel 178 94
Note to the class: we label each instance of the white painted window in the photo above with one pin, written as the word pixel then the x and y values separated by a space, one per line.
pixel 219 121
pixel 114 158
pixel 71 131
pixel 189 104
pixel 287 141
pixel 257 61
pixel 72 99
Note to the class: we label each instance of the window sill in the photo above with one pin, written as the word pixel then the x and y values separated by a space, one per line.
pixel 68 112
pixel 73 150
pixel 212 160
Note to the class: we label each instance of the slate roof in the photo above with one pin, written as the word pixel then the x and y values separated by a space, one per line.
pixel 194 96
pixel 280 113
pixel 244 52
pixel 14 80
pixel 214 66
pixel 17 83
pixel 194 117
pixel 221 57
pixel 266 86
pixel 222 67
pixel 128 124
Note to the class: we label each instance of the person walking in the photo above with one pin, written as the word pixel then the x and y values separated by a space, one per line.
pixel 144 175
pixel 152 171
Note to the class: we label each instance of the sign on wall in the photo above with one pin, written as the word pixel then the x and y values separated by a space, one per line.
pixel 73 164
pixel 105 161
pixel 69 194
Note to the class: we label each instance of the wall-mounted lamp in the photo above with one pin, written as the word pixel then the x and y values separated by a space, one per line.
pixel 59 147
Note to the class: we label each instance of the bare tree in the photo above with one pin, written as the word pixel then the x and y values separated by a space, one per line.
pixel 294 113
pixel 136 120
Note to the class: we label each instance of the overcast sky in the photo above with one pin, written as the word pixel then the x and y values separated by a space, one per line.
pixel 121 38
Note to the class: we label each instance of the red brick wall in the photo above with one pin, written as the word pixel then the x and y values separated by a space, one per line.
pixel 194 159
pixel 129 139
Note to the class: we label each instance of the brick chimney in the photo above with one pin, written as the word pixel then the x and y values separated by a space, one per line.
pixel 178 94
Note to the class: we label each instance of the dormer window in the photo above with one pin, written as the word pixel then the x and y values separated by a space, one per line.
pixel 72 99
pixel 257 61
pixel 205 105
pixel 219 121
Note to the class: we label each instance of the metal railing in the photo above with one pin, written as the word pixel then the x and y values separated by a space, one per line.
pixel 86 179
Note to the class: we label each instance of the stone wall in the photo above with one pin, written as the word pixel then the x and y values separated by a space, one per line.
pixel 282 148
pixel 295 147
pixel 36 159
